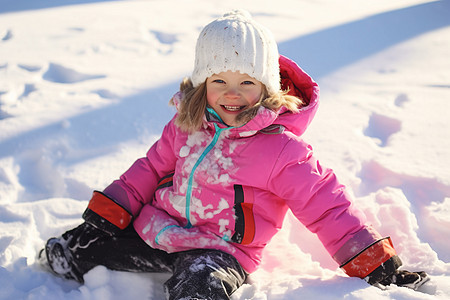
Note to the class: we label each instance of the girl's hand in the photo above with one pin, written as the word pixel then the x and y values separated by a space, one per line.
pixel 412 280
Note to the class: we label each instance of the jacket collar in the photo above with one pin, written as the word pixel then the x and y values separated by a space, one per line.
pixel 263 119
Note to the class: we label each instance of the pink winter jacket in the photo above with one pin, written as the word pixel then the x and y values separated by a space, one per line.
pixel 229 188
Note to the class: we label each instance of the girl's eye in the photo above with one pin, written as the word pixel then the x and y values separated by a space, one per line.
pixel 248 82
pixel 218 81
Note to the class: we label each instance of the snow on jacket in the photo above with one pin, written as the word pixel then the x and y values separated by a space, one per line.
pixel 229 188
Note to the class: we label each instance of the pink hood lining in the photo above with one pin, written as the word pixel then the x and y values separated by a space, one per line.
pixel 299 84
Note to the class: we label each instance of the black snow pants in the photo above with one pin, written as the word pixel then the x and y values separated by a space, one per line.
pixel 197 274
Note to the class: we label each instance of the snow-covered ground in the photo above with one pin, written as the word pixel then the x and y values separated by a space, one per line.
pixel 84 87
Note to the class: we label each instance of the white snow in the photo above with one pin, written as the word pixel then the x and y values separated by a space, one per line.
pixel 84 87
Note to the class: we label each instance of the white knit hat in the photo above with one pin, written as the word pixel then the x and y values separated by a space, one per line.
pixel 235 42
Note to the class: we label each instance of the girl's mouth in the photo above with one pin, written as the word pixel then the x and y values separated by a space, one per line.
pixel 233 108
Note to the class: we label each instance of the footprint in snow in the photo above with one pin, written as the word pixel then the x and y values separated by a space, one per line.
pixel 401 100
pixel 166 40
pixel 382 127
pixel 7 35
pixel 60 74
pixel 106 94
pixel 29 68
pixel 28 89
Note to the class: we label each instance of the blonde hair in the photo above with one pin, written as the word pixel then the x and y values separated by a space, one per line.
pixel 193 104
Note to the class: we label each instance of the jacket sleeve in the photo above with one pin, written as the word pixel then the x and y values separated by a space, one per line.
pixel 323 205
pixel 137 185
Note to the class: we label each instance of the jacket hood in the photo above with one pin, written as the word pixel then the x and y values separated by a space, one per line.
pixel 301 85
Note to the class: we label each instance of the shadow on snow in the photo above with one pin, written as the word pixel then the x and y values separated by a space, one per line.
pixel 7 6
pixel 322 52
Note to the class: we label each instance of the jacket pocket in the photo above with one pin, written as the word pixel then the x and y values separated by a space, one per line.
pixel 166 181
pixel 244 221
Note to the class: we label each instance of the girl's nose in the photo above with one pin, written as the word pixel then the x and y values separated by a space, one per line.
pixel 232 93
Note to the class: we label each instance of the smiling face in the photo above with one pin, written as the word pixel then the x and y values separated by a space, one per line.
pixel 229 93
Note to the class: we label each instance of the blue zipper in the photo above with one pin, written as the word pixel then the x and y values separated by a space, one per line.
pixel 191 176
pixel 191 179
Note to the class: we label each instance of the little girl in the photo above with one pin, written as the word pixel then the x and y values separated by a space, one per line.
pixel 215 188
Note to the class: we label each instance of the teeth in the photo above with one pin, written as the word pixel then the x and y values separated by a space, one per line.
pixel 232 108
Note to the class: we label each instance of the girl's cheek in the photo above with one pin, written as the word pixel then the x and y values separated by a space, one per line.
pixel 256 98
pixel 208 100
pixel 211 97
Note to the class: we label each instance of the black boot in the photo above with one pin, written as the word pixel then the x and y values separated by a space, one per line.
pixel 60 259
pixel 58 252
pixel 83 248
